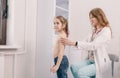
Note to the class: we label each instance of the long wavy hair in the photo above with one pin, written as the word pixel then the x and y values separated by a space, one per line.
pixel 101 17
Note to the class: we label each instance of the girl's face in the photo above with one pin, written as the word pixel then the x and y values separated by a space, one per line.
pixel 58 26
pixel 93 20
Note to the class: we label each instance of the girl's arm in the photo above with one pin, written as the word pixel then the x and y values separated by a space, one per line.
pixel 60 56
pixel 55 49
pixel 61 53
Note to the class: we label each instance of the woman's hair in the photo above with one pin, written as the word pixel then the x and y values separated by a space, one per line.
pixel 64 22
pixel 101 17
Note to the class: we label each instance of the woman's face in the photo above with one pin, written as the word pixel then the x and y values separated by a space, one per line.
pixel 93 20
pixel 57 25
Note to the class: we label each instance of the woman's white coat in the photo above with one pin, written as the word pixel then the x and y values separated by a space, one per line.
pixel 99 45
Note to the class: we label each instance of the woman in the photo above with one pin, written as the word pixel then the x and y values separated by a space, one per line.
pixel 98 62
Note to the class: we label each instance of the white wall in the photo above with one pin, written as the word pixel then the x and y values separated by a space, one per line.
pixel 79 20
pixel 80 25
pixel 1 66
pixel 45 15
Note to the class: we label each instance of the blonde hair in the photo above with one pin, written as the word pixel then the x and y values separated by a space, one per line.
pixel 64 22
pixel 101 17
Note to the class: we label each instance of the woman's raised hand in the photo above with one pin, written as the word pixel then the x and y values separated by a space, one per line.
pixel 66 41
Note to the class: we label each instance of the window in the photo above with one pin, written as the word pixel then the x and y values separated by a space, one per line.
pixel 62 8
pixel 3 21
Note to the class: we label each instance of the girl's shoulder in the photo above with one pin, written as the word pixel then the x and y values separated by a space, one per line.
pixel 62 36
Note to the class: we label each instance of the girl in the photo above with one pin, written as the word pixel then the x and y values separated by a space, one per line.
pixel 61 60
pixel 98 62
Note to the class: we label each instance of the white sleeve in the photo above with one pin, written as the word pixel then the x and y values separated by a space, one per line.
pixel 86 39
pixel 101 41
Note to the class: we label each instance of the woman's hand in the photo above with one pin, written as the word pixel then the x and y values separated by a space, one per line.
pixel 54 68
pixel 66 41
